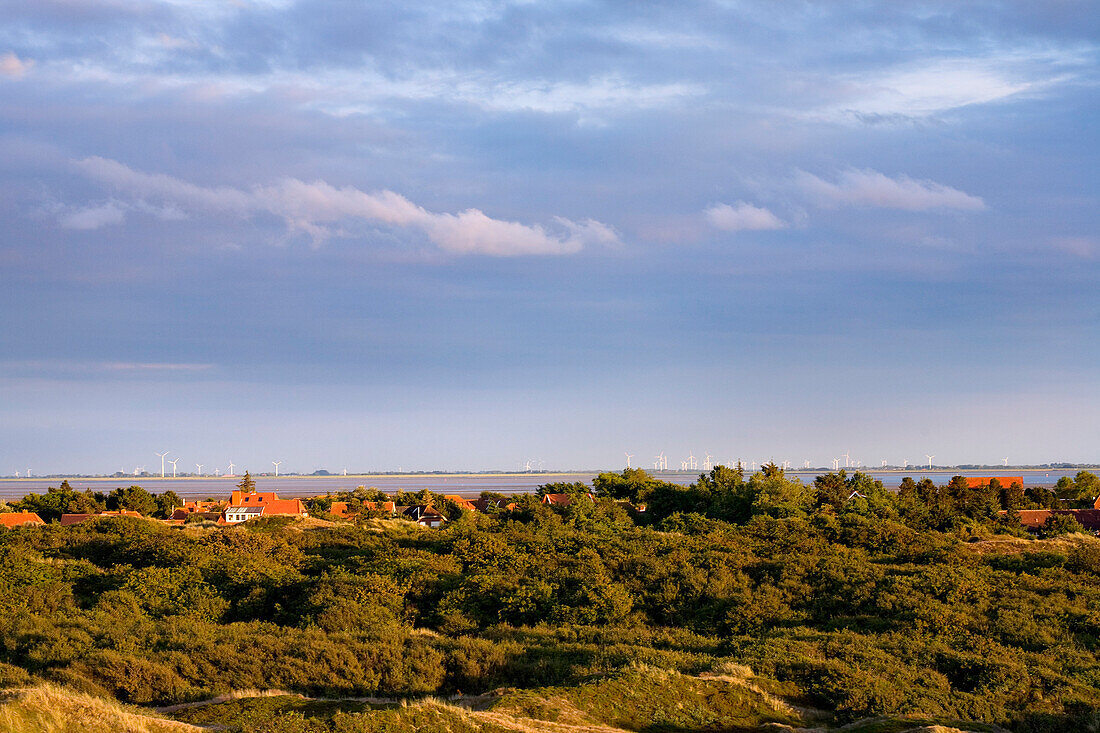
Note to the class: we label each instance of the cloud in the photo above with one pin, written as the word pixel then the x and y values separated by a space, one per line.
pixel 1084 247
pixel 12 65
pixel 93 217
pixel 936 85
pixel 871 188
pixel 316 207
pixel 742 216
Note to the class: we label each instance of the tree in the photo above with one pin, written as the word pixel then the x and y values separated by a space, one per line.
pixel 166 503
pixel 134 499
pixel 247 484
pixel 1059 524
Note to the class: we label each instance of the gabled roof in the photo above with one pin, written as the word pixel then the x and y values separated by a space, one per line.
pixel 270 502
pixel 255 497
pixel 1035 518
pixel 465 504
pixel 18 519
pixel 975 482
pixel 557 499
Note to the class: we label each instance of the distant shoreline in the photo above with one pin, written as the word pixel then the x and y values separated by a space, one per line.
pixel 914 470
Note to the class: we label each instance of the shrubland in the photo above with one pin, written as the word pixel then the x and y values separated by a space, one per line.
pixel 725 605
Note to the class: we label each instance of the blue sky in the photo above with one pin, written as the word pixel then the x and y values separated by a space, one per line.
pixel 468 235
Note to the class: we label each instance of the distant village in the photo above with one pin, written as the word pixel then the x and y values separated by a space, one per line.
pixel 247 504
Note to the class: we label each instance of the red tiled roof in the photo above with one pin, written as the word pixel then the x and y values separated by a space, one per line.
pixel 270 502
pixel 1035 518
pixel 18 519
pixel 463 503
pixel 557 499
pixel 239 498
pixel 975 482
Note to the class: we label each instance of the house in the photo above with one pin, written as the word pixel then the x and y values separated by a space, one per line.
pixel 977 482
pixel 423 515
pixel 67 520
pixel 1034 519
pixel 562 499
pixel 340 509
pixel 243 507
pixel 557 499
pixel 381 506
pixel 465 504
pixel 19 519
pixel 206 509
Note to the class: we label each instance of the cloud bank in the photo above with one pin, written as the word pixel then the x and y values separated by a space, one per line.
pixel 742 216
pixel 316 208
pixel 871 188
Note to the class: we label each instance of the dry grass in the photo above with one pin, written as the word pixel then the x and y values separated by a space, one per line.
pixel 51 709
pixel 1005 545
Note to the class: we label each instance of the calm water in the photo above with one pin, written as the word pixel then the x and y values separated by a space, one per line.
pixel 466 485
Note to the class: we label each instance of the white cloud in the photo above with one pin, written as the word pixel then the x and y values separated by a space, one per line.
pixel 315 207
pixel 871 188
pixel 12 65
pixel 742 216
pixel 937 85
pixel 93 217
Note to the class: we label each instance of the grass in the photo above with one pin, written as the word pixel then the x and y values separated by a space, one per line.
pixel 51 709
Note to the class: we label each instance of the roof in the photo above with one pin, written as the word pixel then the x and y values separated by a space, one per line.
pixel 339 509
pixel 380 506
pixel 465 504
pixel 256 497
pixel 1035 518
pixel 18 519
pixel 557 499
pixel 975 482
pixel 270 502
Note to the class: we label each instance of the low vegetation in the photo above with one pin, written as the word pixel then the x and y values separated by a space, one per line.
pixel 731 604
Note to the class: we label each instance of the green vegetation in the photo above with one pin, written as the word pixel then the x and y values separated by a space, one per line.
pixel 846 602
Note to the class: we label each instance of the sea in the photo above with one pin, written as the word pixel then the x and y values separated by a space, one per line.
pixel 467 485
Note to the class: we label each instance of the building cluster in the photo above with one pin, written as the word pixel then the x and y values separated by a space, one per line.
pixel 425 515
pixel 243 506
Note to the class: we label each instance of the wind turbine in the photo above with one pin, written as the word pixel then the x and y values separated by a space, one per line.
pixel 628 457
pixel 706 462
pixel 884 463
pixel 276 464
pixel 17 474
pixel 846 458
pixel 905 463
pixel 217 472
pixel 836 464
pixel 230 471
pixel 692 463
pixel 174 461
pixel 929 460
pixel 199 466
pixel 806 463
pixel 1005 460
pixel 162 455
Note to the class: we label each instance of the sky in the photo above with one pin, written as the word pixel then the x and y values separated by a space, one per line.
pixel 467 235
